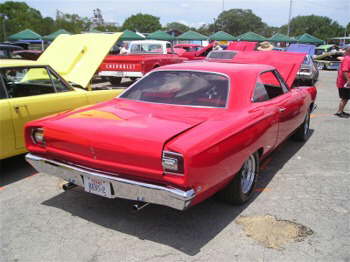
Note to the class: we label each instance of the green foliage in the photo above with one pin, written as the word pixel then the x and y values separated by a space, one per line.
pixel 143 23
pixel 177 26
pixel 108 28
pixel 72 22
pixel 239 21
pixel 19 17
pixel 320 26
pixel 348 29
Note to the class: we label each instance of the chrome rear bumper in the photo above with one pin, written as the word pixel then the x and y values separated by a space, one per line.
pixel 120 187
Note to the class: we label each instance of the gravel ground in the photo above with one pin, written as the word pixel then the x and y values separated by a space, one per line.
pixel 305 183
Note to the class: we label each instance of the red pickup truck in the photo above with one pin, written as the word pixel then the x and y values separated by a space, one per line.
pixel 142 57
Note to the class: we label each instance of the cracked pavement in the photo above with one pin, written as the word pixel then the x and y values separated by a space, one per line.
pixel 307 183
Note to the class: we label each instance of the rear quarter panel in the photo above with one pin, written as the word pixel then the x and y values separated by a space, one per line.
pixel 215 150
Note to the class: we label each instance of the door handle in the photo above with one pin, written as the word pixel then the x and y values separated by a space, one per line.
pixel 282 109
pixel 18 107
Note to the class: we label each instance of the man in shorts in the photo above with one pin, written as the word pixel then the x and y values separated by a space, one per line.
pixel 343 83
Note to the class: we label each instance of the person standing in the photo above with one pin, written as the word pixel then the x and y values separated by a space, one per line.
pixel 217 47
pixel 343 84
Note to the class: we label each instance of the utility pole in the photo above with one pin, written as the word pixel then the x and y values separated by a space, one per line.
pixel 290 15
pixel 223 5
pixel 4 17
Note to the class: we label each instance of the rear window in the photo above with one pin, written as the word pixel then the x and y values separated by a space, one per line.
pixel 221 55
pixel 188 88
pixel 146 48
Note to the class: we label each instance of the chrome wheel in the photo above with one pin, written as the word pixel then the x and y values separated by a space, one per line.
pixel 248 174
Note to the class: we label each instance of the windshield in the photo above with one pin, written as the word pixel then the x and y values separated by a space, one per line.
pixel 146 48
pixel 189 88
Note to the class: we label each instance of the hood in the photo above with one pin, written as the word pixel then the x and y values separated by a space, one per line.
pixel 287 64
pixel 77 57
pixel 242 46
pixel 121 136
pixel 302 48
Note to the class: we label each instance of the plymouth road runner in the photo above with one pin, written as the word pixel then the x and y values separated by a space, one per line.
pixel 180 134
pixel 33 89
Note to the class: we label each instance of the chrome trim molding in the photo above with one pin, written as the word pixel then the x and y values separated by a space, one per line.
pixel 122 188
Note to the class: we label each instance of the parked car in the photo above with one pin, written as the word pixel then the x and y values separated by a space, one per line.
pixel 329 61
pixel 189 47
pixel 190 50
pixel 6 50
pixel 143 56
pixel 325 49
pixel 180 134
pixel 200 54
pixel 308 72
pixel 33 89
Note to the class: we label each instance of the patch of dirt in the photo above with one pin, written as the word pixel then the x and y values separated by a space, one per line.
pixel 272 232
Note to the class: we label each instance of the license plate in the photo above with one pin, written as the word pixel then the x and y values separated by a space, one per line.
pixel 111 73
pixel 97 186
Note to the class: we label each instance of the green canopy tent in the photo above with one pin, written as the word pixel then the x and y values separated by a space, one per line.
pixel 130 35
pixel 221 36
pixel 251 36
pixel 53 35
pixel 160 35
pixel 191 35
pixel 308 39
pixel 26 34
pixel 278 37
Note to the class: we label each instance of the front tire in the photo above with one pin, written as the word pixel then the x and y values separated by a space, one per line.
pixel 115 80
pixel 241 189
pixel 303 130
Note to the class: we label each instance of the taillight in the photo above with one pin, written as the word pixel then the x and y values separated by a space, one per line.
pixel 38 136
pixel 173 163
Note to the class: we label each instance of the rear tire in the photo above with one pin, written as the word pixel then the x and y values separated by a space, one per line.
pixel 115 80
pixel 302 133
pixel 242 186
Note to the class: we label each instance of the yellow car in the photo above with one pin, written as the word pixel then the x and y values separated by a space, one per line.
pixel 34 89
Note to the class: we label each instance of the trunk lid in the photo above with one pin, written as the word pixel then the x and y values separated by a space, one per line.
pixel 77 57
pixel 118 136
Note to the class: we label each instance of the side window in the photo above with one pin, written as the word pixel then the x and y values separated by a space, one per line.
pixel 272 84
pixel 3 94
pixel 260 93
pixel 59 85
pixel 26 81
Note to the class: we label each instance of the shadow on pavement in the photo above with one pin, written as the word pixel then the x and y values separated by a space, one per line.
pixel 14 169
pixel 186 231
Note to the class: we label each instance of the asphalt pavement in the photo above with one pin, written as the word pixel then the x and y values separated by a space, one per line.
pixel 305 183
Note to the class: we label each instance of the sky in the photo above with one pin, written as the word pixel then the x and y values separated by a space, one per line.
pixel 196 12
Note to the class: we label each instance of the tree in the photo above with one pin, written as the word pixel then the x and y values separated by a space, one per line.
pixel 320 26
pixel 239 21
pixel 144 23
pixel 206 29
pixel 177 26
pixel 108 28
pixel 348 29
pixel 72 22
pixel 20 16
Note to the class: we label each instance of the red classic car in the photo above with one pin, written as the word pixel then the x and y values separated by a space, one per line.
pixel 178 135
pixel 142 57
pixel 195 52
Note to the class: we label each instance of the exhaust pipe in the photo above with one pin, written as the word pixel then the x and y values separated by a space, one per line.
pixel 68 186
pixel 138 206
